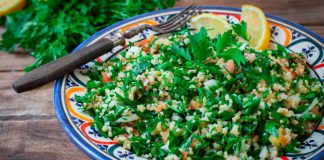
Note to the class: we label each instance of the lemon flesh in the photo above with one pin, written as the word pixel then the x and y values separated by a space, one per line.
pixel 8 6
pixel 214 24
pixel 257 27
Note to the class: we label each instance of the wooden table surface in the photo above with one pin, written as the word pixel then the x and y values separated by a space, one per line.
pixel 28 125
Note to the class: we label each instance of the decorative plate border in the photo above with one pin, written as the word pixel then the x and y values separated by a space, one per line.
pixel 90 148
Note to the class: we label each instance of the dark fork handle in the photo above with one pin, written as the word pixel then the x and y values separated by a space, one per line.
pixel 58 68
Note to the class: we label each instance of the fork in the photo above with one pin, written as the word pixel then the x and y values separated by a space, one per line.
pixel 168 26
pixel 58 68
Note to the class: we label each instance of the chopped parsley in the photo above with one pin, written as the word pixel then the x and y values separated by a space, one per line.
pixel 192 96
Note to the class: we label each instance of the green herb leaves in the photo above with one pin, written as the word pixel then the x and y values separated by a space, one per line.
pixel 53 28
pixel 272 128
pixel 251 105
pixel 140 67
pixel 185 103
pixel 179 50
pixel 240 29
pixel 125 100
pixel 200 45
pixel 224 40
pixel 234 54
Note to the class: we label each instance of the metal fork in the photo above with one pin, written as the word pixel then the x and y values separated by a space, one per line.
pixel 169 26
pixel 58 68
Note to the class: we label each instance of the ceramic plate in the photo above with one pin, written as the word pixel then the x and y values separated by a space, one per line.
pixel 77 123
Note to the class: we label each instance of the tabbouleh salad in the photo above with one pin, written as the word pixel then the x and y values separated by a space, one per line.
pixel 188 96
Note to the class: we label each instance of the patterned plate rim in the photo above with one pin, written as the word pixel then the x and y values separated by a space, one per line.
pixel 61 116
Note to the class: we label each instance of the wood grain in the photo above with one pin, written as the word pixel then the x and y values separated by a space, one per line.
pixel 36 104
pixel 317 29
pixel 299 11
pixel 14 62
pixel 34 139
pixel 28 125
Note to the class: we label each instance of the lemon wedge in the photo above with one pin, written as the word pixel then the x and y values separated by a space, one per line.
pixel 257 26
pixel 213 23
pixel 8 6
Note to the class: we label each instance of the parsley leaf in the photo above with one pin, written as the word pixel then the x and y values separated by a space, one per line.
pixel 272 128
pixel 125 100
pixel 282 49
pixel 140 67
pixel 224 40
pixel 200 45
pixel 186 144
pixel 251 105
pixel 291 147
pixel 179 50
pixel 98 123
pixel 240 29
pixel 234 54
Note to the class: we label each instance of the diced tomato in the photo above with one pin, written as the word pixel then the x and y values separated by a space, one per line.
pixel 135 131
pixel 160 107
pixel 194 104
pixel 284 158
pixel 249 56
pixel 230 66
pixel 184 155
pixel 165 136
pixel 211 61
pixel 144 43
pixel 105 77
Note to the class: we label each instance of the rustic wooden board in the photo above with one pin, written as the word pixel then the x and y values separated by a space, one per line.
pixel 36 139
pixel 35 104
pixel 317 29
pixel 28 126
pixel 14 62
pixel 299 11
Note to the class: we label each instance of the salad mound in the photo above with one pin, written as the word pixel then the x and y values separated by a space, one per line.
pixel 188 96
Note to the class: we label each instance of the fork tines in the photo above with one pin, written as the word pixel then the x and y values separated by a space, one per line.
pixel 178 20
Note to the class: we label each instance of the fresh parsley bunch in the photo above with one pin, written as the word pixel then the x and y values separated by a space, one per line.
pixel 53 28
